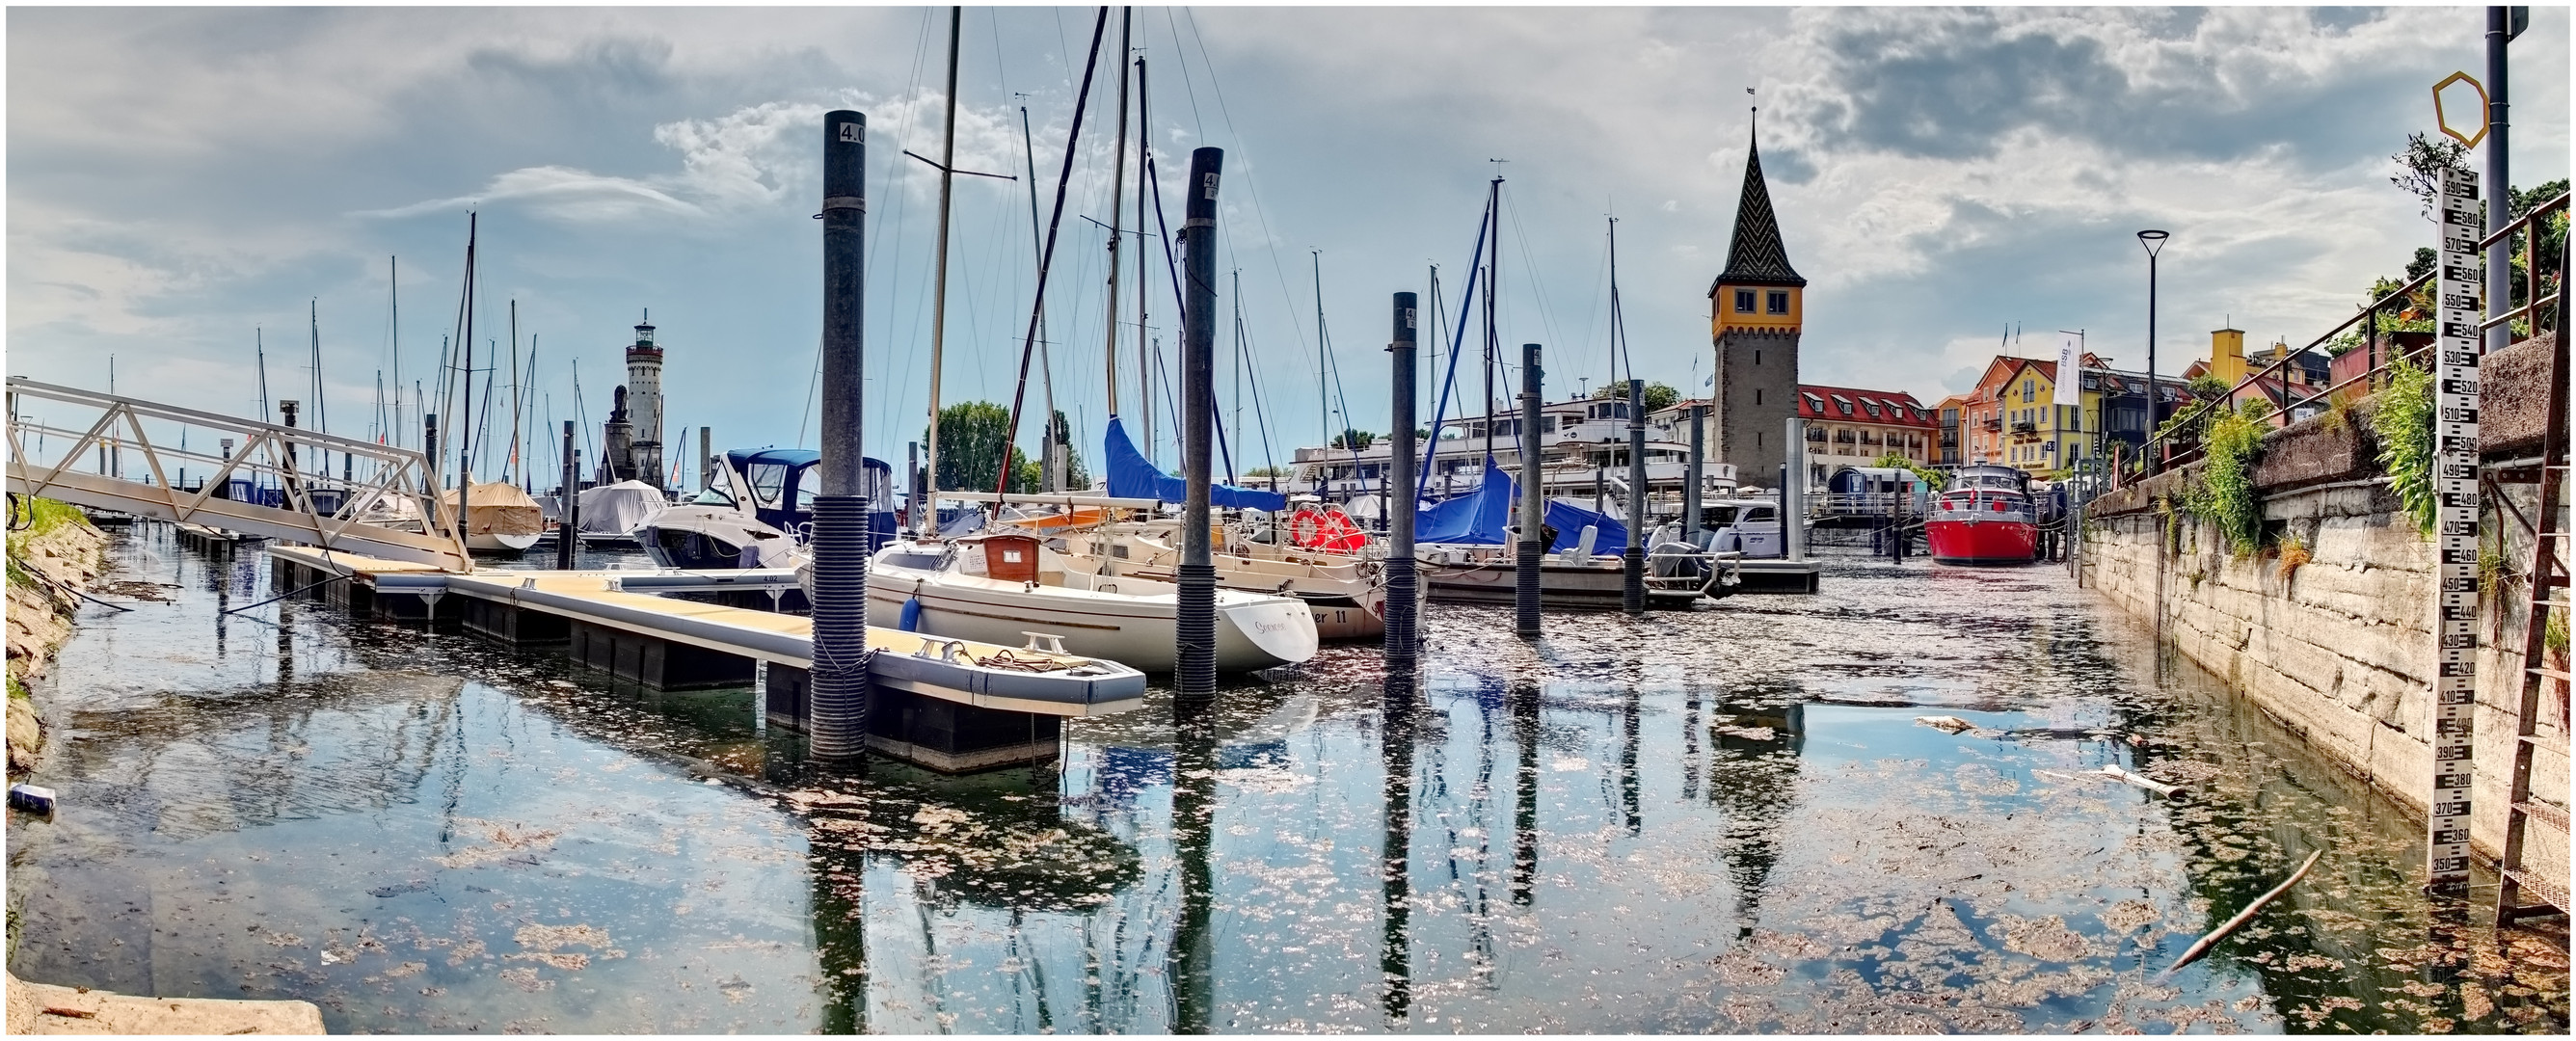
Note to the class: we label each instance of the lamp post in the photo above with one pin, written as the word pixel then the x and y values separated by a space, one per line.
pixel 2154 241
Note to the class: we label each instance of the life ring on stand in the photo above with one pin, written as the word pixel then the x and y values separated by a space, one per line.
pixel 1340 534
pixel 1305 528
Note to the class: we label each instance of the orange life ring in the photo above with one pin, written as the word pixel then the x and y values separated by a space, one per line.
pixel 1305 528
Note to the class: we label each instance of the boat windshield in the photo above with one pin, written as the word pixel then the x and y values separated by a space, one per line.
pixel 712 497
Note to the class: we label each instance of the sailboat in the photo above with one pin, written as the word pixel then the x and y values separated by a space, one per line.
pixel 1001 586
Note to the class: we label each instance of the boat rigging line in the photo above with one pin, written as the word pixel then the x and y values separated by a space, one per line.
pixel 1046 256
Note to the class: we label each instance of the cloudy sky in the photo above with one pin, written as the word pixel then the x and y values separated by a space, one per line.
pixel 179 178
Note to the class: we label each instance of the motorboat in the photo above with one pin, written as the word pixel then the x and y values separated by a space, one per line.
pixel 757 512
pixel 1985 517
pixel 1009 588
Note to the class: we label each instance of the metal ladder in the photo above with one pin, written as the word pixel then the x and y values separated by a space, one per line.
pixel 2549 592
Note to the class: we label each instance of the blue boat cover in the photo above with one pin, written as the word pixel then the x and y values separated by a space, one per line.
pixel 1478 519
pixel 1131 476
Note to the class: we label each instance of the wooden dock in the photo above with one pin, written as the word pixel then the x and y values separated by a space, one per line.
pixel 950 705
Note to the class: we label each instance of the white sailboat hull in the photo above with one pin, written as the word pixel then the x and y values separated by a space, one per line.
pixel 1122 619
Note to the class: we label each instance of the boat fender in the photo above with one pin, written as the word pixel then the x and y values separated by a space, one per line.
pixel 911 621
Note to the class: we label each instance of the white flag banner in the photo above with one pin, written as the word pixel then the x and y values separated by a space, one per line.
pixel 2070 383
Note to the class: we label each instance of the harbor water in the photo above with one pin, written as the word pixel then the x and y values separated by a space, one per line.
pixel 1725 820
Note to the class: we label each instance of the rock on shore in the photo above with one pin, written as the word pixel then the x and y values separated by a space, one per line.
pixel 68 553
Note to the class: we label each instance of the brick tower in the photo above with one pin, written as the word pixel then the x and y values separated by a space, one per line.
pixel 1754 315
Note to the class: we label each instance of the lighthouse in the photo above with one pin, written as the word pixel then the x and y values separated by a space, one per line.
pixel 644 402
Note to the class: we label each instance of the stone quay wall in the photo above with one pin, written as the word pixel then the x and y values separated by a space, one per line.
pixel 2340 648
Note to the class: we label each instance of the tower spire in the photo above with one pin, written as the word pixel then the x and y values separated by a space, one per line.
pixel 1757 256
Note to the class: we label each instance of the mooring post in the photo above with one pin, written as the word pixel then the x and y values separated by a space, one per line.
pixel 1694 474
pixel 429 476
pixel 838 710
pixel 568 511
pixel 1793 493
pixel 1403 582
pixel 1196 628
pixel 1532 542
pixel 1632 590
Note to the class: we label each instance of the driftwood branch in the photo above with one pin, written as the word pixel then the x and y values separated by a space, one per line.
pixel 2202 946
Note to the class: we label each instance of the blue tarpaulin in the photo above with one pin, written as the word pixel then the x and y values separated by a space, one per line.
pixel 1478 519
pixel 1132 476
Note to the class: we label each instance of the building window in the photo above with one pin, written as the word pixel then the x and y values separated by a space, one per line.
pixel 1757 356
pixel 1779 302
pixel 1757 395
pixel 1744 301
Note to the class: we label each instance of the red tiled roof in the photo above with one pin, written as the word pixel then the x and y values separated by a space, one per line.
pixel 1852 405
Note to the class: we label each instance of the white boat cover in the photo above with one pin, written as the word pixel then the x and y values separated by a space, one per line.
pixel 500 508
pixel 619 509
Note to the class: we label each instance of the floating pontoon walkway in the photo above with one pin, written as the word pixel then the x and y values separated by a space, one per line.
pixel 949 704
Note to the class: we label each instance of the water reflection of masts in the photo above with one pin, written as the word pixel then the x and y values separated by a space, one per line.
pixel 1480 924
pixel 1395 852
pixel 1193 831
pixel 1524 708
pixel 1690 739
pixel 1628 796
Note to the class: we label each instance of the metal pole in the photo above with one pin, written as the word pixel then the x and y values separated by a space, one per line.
pixel 839 681
pixel 568 517
pixel 1632 591
pixel 706 459
pixel 1533 505
pixel 1402 583
pixel 1693 475
pixel 2499 187
pixel 2154 242
pixel 1196 628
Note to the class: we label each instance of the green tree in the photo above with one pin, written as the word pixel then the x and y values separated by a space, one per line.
pixel 971 436
pixel 2420 165
pixel 1892 461
pixel 1353 439
pixel 1267 471
pixel 1075 476
pixel 1659 396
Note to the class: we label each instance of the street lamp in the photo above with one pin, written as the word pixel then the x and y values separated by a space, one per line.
pixel 2154 241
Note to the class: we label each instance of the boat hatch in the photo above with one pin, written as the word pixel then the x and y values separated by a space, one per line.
pixel 1011 558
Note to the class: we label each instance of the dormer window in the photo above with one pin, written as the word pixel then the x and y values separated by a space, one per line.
pixel 1843 403
pixel 1744 301
pixel 1814 403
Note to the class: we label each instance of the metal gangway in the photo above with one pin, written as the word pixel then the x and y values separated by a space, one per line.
pixel 63 424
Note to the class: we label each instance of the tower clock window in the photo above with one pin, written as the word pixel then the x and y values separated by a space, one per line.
pixel 1744 301
pixel 1779 302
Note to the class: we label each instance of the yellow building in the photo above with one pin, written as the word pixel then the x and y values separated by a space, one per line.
pixel 2012 418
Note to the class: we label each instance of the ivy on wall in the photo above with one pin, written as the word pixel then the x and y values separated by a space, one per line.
pixel 2403 425
pixel 2225 495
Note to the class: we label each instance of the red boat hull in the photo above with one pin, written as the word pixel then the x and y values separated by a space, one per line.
pixel 1982 541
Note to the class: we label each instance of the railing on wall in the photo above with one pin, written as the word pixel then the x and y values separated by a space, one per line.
pixel 2382 356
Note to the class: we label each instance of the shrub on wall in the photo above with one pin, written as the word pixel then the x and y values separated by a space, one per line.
pixel 2225 496
pixel 2403 425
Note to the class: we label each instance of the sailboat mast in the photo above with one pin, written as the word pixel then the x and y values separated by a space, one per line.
pixel 1144 367
pixel 510 460
pixel 465 424
pixel 321 412
pixel 1323 396
pixel 1049 478
pixel 939 292
pixel 1117 177
pixel 393 293
pixel 1493 275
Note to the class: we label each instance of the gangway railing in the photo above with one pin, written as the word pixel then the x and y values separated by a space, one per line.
pixel 61 425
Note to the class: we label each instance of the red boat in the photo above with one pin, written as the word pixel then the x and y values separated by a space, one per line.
pixel 1984 517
